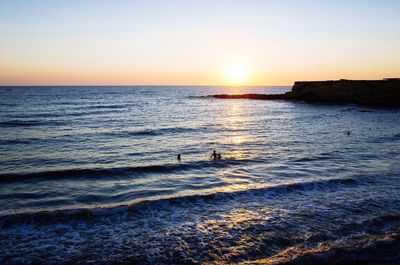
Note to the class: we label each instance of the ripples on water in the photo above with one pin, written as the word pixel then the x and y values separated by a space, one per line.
pixel 90 174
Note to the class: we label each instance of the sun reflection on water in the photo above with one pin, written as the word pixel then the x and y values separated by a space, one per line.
pixel 236 133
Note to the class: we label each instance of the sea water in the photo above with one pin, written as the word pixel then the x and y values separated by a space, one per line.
pixel 90 175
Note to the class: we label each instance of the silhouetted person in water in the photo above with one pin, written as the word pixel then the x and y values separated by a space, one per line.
pixel 214 155
pixel 179 157
pixel 348 133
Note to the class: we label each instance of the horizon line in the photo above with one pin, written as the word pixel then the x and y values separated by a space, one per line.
pixel 188 85
pixel 139 85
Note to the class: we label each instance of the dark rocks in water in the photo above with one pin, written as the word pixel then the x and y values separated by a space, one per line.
pixel 384 92
pixel 252 96
pixel 367 92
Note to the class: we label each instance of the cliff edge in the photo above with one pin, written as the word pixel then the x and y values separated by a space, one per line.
pixel 384 92
pixel 365 92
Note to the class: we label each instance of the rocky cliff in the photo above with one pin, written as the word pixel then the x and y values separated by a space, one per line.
pixel 366 92
pixel 369 92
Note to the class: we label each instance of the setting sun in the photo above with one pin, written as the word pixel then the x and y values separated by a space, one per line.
pixel 236 74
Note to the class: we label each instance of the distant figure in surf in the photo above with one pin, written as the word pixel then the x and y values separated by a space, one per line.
pixel 179 157
pixel 215 156
pixel 348 133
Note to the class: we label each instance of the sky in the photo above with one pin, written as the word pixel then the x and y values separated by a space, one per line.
pixel 204 42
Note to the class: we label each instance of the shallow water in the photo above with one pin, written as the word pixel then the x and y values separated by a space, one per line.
pixel 89 174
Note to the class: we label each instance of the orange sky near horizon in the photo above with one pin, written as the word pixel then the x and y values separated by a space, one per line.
pixel 29 76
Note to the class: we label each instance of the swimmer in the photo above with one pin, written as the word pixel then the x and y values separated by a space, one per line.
pixel 214 155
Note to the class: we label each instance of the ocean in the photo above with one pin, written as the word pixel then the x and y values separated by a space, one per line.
pixel 90 175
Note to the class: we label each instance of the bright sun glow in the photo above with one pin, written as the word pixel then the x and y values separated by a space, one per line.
pixel 236 74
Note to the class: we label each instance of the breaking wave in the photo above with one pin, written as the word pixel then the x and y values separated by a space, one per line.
pixel 97 173
pixel 269 191
pixel 366 249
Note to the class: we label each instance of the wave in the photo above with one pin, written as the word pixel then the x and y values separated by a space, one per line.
pixel 315 158
pixel 387 138
pixel 15 141
pixel 95 110
pixel 88 213
pixel 66 138
pixel 164 131
pixel 367 249
pixel 30 123
pixel 96 173
pixel 366 110
pixel 150 132
pixel 111 106
pixel 346 109
pixel 34 115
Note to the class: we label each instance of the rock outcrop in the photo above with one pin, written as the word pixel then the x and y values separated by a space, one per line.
pixel 384 92
pixel 253 96
pixel 369 92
